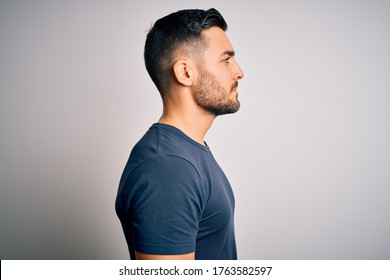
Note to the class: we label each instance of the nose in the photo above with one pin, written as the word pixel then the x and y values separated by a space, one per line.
pixel 238 73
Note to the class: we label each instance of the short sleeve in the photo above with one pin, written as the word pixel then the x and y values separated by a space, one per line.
pixel 166 201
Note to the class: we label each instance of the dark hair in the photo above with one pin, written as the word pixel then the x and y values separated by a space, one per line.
pixel 172 32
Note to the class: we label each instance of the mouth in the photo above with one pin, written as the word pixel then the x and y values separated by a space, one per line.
pixel 235 86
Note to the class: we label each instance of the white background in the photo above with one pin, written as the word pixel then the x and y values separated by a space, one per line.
pixel 308 153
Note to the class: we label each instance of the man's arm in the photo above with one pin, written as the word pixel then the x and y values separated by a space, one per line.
pixel 142 256
pixel 167 197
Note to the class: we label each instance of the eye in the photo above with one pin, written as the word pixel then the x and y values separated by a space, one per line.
pixel 226 60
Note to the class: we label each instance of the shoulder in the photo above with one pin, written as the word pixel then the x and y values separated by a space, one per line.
pixel 162 179
pixel 167 167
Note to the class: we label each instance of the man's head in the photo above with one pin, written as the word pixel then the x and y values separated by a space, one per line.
pixel 199 37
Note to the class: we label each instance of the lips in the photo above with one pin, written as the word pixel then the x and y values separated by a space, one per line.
pixel 235 86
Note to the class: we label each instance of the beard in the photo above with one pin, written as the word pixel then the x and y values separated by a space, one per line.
pixel 212 97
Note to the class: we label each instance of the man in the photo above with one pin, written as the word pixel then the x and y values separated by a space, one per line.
pixel 174 201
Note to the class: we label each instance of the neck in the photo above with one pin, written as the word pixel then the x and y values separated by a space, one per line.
pixel 191 120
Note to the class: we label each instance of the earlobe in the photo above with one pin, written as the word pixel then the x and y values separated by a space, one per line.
pixel 182 72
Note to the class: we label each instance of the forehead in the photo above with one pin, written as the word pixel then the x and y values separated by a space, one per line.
pixel 218 42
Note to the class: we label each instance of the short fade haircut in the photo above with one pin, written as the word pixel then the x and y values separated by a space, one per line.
pixel 174 32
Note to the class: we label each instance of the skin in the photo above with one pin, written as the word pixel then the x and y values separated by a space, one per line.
pixel 141 256
pixel 196 87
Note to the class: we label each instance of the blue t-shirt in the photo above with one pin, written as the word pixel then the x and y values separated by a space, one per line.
pixel 173 198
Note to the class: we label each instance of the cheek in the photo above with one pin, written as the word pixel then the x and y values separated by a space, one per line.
pixel 223 79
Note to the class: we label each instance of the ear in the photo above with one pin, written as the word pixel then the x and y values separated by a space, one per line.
pixel 183 72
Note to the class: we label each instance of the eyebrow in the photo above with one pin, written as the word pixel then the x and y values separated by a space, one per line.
pixel 230 53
